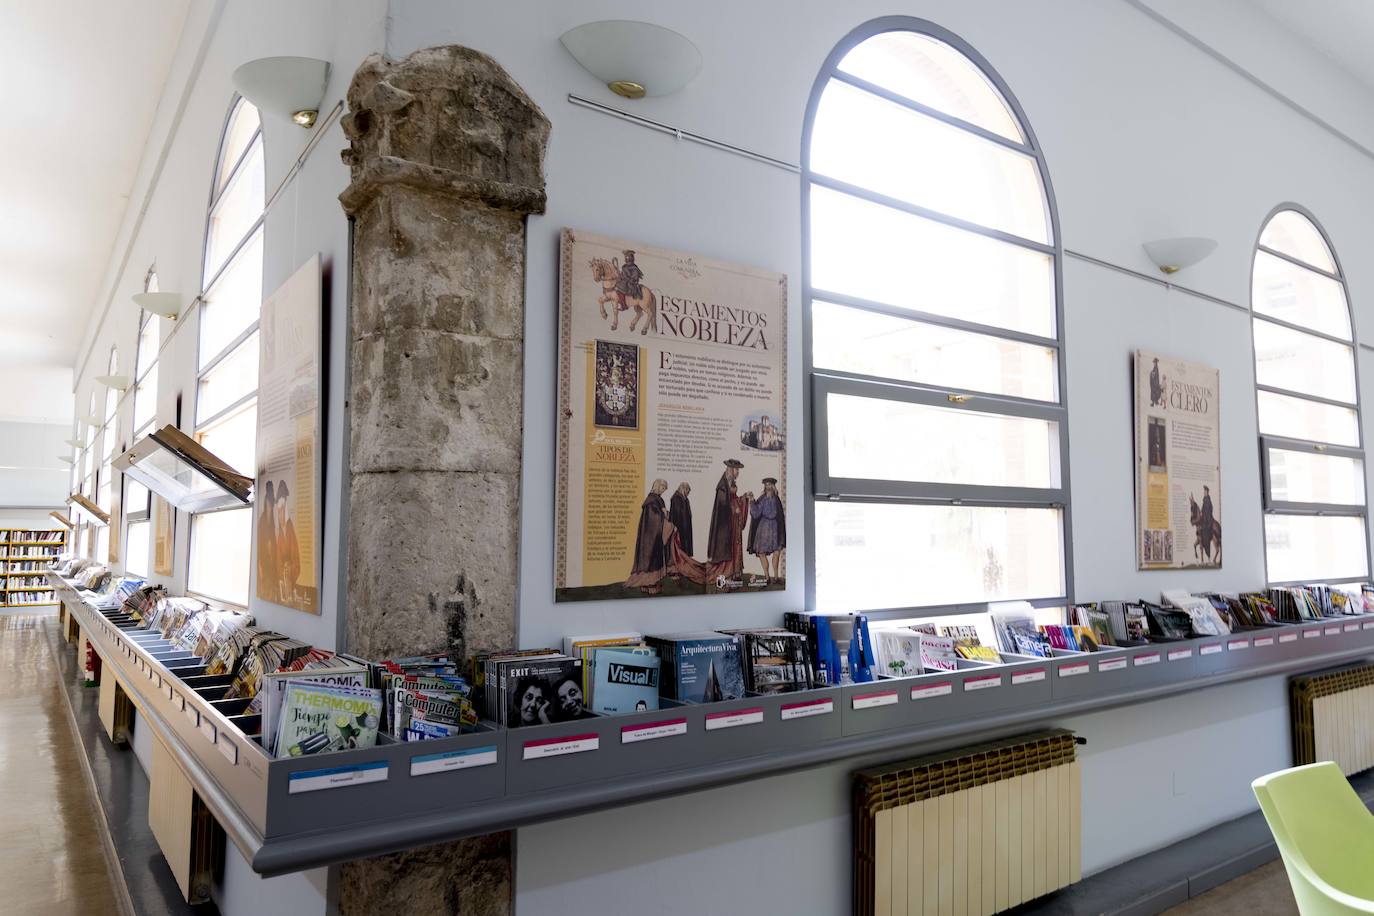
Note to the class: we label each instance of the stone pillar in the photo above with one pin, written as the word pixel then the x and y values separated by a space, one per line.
pixel 446 158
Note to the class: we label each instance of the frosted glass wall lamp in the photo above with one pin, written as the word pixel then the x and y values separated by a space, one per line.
pixel 66 459
pixel 1172 255
pixel 291 87
pixel 75 443
pixel 117 382
pixel 166 305
pixel 92 421
pixel 634 59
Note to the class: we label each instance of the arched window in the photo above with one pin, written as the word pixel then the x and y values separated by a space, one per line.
pixel 109 440
pixel 939 434
pixel 1309 419
pixel 227 370
pixel 137 500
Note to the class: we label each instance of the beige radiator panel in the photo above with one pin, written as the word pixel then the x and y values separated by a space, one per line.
pixel 951 838
pixel 182 825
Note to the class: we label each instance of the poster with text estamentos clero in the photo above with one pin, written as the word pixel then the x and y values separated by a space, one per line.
pixel 672 434
pixel 1178 463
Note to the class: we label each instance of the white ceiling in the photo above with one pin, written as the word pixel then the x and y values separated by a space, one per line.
pixel 85 80
pixel 1340 30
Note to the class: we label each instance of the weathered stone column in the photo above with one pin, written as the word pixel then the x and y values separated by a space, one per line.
pixel 447 158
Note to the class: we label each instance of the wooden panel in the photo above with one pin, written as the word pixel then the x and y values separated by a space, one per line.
pixel 185 830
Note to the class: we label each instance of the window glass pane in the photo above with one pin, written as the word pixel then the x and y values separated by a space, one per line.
pixel 1298 296
pixel 233 378
pixel 1295 361
pixel 1297 418
pixel 236 210
pixel 148 338
pixel 868 141
pixel 926 70
pixel 145 399
pixel 220 544
pixel 871 555
pixel 102 545
pixel 243 124
pixel 136 549
pixel 1293 234
pixel 135 497
pixel 1310 548
pixel 102 492
pixel 1306 477
pixel 870 343
pixel 879 253
pixel 233 303
pixel 234 439
pixel 879 439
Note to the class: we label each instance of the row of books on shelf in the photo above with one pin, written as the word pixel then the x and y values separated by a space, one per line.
pixel 27 566
pixel 14 597
pixel 311 700
pixel 17 535
pixel 15 552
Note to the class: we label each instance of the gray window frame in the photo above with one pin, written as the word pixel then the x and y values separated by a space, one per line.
pixel 1268 505
pixel 819 383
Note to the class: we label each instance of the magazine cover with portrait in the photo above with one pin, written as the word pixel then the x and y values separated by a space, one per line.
pixel 672 390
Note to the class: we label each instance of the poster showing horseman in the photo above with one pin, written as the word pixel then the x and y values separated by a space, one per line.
pixel 672 420
pixel 1178 463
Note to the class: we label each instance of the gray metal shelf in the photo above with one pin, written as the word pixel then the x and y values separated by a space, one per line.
pixel 292 814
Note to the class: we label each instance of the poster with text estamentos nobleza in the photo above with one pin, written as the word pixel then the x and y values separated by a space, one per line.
pixel 672 433
pixel 1178 463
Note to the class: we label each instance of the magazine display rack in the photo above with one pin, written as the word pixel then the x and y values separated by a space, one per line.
pixel 291 814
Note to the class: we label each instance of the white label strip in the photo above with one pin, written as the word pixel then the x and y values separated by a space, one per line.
pixel 229 749
pixel 942 689
pixel 191 715
pixel 1028 677
pixel 1262 641
pixel 982 683
pixel 336 777
pixel 1311 634
pixel 170 693
pixel 630 734
pixel 1236 645
pixel 752 716
pixel 1111 664
pixel 1288 637
pixel 807 709
pixel 1151 658
pixel 426 764
pixel 870 700
pixel 1180 654
pixel 1332 631
pixel 1351 627
pixel 207 728
pixel 557 747
pixel 1074 670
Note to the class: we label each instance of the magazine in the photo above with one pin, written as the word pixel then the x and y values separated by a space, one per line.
pixel 318 718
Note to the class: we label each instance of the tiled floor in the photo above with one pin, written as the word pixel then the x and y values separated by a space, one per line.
pixel 1263 892
pixel 52 858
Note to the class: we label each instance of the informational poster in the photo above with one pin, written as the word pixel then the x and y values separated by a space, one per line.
pixel 116 523
pixel 163 531
pixel 1178 463
pixel 286 493
pixel 672 435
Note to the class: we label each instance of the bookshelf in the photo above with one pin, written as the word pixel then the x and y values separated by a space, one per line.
pixel 24 552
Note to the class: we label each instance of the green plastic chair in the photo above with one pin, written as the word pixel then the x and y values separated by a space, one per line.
pixel 1325 835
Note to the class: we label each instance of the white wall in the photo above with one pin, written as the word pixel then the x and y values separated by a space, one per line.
pixel 1146 136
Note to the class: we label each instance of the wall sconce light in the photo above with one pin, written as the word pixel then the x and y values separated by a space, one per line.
pixel 92 421
pixel 117 382
pixel 65 459
pixel 291 87
pixel 75 443
pixel 1172 255
pixel 634 59
pixel 166 305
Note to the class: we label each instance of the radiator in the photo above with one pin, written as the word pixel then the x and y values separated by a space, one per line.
pixel 968 832
pixel 185 830
pixel 1333 717
pixel 116 712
